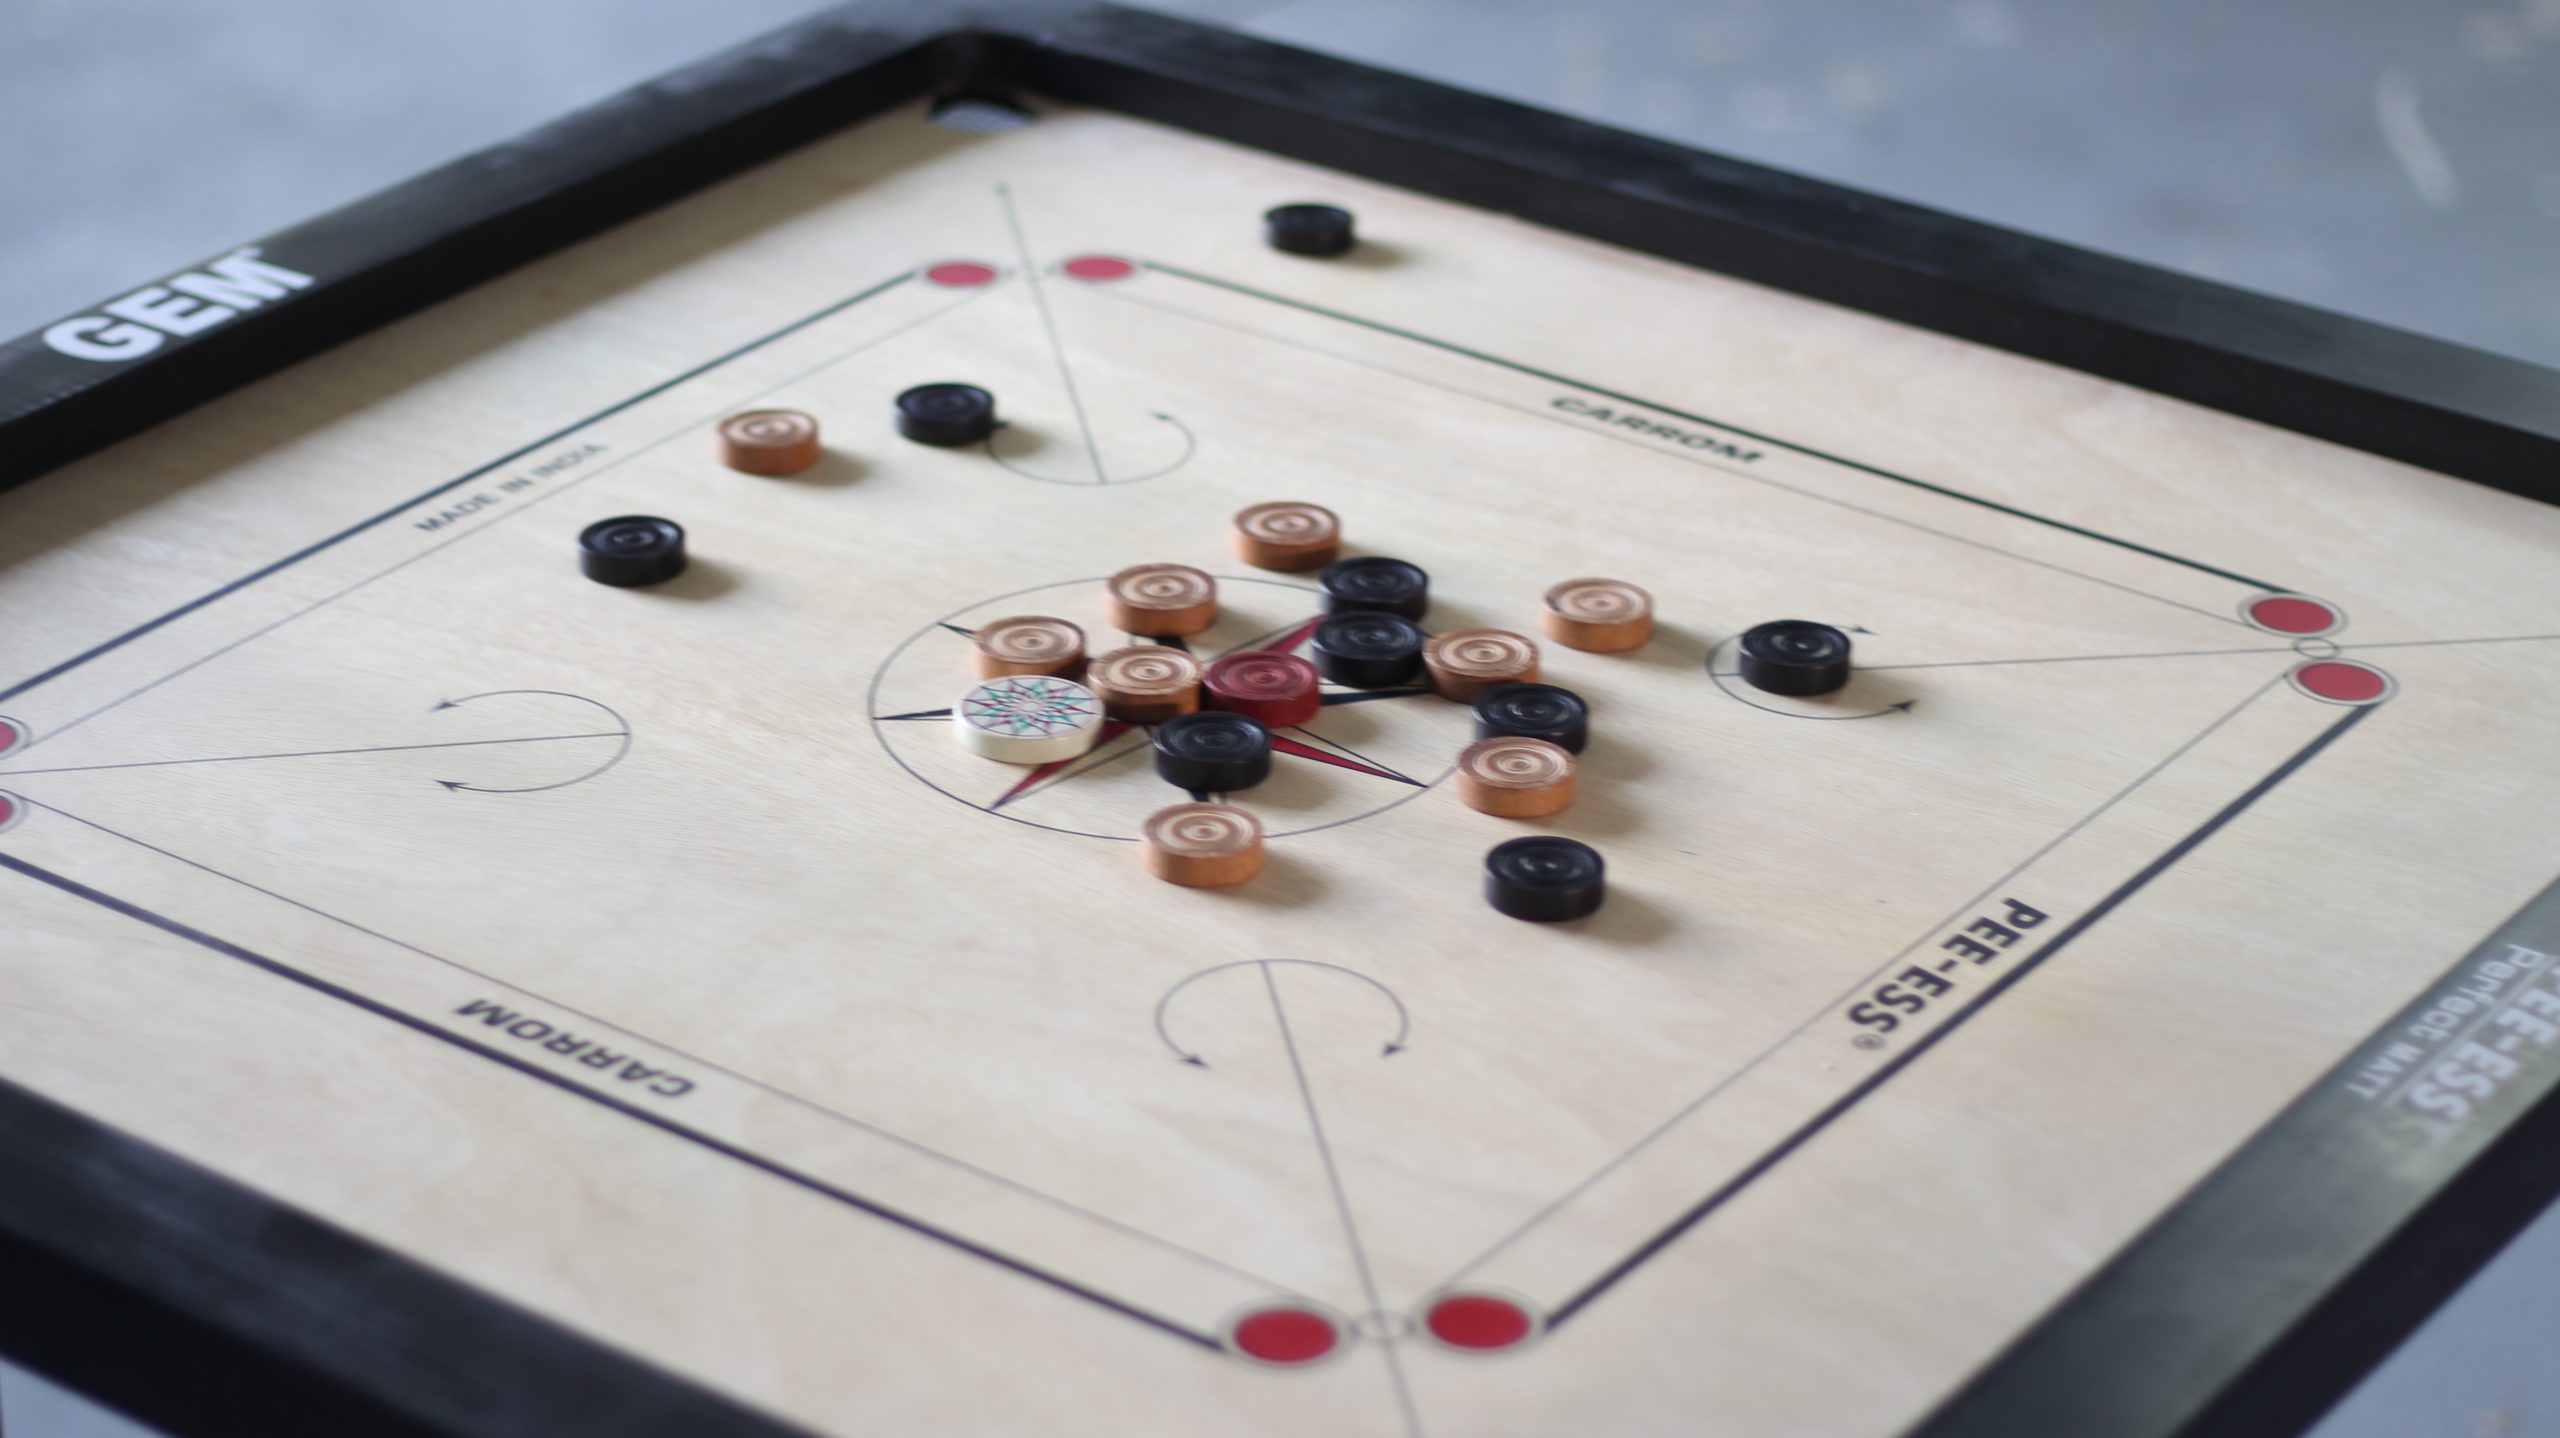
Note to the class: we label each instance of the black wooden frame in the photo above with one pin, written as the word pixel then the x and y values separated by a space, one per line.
pixel 206 1308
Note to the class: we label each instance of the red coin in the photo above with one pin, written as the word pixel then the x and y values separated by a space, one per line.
pixel 2343 681
pixel 1278 689
pixel 2297 614
pixel 1479 1321
pixel 1098 268
pixel 961 274
pixel 1285 1333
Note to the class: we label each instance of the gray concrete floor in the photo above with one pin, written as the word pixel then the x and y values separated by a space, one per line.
pixel 2398 161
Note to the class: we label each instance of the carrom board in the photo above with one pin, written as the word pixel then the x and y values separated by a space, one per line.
pixel 444 995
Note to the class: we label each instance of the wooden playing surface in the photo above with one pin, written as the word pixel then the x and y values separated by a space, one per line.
pixel 627 954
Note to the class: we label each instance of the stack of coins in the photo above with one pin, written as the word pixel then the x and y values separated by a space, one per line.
pixel 1368 651
pixel 1212 725
pixel 1375 583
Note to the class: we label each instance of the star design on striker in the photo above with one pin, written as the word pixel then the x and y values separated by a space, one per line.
pixel 1029 706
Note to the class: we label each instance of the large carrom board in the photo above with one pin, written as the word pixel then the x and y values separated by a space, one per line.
pixel 442 994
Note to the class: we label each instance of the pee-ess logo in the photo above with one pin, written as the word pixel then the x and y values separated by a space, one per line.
pixel 198 300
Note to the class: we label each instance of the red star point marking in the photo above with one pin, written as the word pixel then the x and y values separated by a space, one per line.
pixel 1111 729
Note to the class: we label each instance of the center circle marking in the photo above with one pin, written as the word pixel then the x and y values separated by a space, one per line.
pixel 1332 777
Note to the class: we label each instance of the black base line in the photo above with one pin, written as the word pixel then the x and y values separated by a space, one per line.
pixel 311 754
pixel 2059 659
pixel 1808 451
pixel 1857 986
pixel 1683 455
pixel 2445 643
pixel 472 531
pixel 448 486
pixel 2344 647
pixel 693 1060
pixel 725 1149
pixel 1761 1166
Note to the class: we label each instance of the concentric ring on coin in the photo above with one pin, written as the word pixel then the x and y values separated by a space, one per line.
pixel 1601 616
pixel 1515 776
pixel 1463 663
pixel 1516 761
pixel 1287 535
pixel 1145 683
pixel 1281 690
pixel 769 441
pixel 1539 711
pixel 1202 846
pixel 1029 644
pixel 1202 830
pixel 1158 600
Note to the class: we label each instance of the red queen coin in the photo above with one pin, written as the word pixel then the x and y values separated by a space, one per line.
pixel 1278 689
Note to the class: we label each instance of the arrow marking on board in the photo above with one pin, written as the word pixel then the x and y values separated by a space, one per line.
pixel 1719 676
pixel 621 730
pixel 1394 1045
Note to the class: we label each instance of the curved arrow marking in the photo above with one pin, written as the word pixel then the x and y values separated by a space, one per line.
pixel 1394 1045
pixel 621 732
pixel 1190 445
pixel 1720 675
